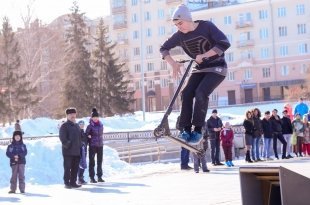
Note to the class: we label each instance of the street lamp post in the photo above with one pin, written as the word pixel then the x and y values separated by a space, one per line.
pixel 142 58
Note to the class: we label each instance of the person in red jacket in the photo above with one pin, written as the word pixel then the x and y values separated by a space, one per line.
pixel 226 137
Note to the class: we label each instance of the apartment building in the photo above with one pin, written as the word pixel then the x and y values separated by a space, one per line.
pixel 268 58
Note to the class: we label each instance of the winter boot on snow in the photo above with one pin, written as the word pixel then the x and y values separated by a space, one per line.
pixel 247 157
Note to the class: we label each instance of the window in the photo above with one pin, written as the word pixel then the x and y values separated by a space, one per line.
pixel 263 14
pixel 136 51
pixel 134 18
pixel 134 2
pixel 301 28
pixel 231 76
pixel 227 20
pixel 282 12
pixel 304 69
pixel 282 31
pixel 245 17
pixel 302 48
pixel 118 3
pixel 150 67
pixel 150 84
pixel 164 83
pixel 248 74
pixel 147 16
pixel 163 65
pixel 148 32
pixel 266 72
pixel 263 33
pixel 137 68
pixel 149 49
pixel 245 36
pixel 161 30
pixel 284 70
pixel 147 1
pixel 214 96
pixel 300 9
pixel 135 34
pixel 264 53
pixel 283 50
pixel 246 55
pixel 161 14
pixel 138 85
pixel 229 57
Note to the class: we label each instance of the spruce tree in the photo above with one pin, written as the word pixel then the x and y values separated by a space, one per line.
pixel 79 86
pixel 17 92
pixel 113 94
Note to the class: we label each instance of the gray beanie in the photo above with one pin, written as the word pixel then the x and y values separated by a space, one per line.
pixel 182 13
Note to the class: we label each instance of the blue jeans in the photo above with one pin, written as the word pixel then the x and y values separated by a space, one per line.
pixel 255 148
pixel 184 157
pixel 267 146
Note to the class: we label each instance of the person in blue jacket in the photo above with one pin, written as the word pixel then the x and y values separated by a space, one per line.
pixel 206 44
pixel 17 152
pixel 301 108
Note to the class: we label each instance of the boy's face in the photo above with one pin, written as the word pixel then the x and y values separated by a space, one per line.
pixel 81 125
pixel 17 138
pixel 183 26
pixel 95 119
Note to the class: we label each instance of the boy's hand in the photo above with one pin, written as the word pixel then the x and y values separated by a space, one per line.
pixel 176 69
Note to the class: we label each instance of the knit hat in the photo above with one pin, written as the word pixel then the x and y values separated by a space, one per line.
pixel 94 113
pixel 214 111
pixel 182 13
pixel 81 122
pixel 20 133
pixel 70 110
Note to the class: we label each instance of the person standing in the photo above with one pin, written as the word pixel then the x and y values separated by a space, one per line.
pixel 298 129
pixel 276 126
pixel 214 125
pixel 200 160
pixel 17 152
pixel 267 132
pixel 17 126
pixel 94 132
pixel 257 134
pixel 301 108
pixel 306 142
pixel 227 137
pixel 206 44
pixel 83 162
pixel 70 137
pixel 287 131
pixel 248 125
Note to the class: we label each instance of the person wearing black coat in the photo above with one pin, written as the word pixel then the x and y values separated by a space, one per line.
pixel 257 134
pixel 214 126
pixel 248 125
pixel 267 132
pixel 287 130
pixel 277 134
pixel 70 137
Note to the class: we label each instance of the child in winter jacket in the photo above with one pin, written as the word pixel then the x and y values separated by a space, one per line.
pixel 83 162
pixel 298 131
pixel 226 137
pixel 17 152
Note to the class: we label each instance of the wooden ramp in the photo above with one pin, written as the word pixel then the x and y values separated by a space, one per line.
pixel 281 183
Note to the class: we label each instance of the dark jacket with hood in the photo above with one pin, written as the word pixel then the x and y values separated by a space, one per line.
pixel 17 148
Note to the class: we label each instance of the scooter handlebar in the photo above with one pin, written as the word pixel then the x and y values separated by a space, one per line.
pixel 185 61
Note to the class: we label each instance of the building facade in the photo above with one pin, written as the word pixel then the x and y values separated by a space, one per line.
pixel 268 58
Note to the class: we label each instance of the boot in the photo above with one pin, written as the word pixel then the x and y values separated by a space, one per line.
pixel 247 157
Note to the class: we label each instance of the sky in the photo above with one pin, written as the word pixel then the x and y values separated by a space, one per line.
pixel 48 10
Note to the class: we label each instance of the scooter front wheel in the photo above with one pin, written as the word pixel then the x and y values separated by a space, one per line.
pixel 159 131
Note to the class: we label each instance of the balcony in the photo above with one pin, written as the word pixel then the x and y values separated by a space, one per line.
pixel 119 9
pixel 245 43
pixel 244 23
pixel 120 25
pixel 173 1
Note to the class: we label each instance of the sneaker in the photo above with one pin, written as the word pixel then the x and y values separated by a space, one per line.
pixel 11 192
pixel 100 179
pixel 82 181
pixel 22 191
pixel 195 138
pixel 75 185
pixel 219 164
pixel 92 180
pixel 185 136
pixel 197 171
pixel 231 163
pixel 186 168
pixel 290 156
pixel 227 164
pixel 206 170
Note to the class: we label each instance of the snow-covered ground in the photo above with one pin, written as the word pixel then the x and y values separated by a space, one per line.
pixel 157 183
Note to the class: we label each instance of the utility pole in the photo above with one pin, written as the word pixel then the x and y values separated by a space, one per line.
pixel 142 57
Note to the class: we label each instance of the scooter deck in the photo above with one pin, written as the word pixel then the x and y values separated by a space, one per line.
pixel 185 145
